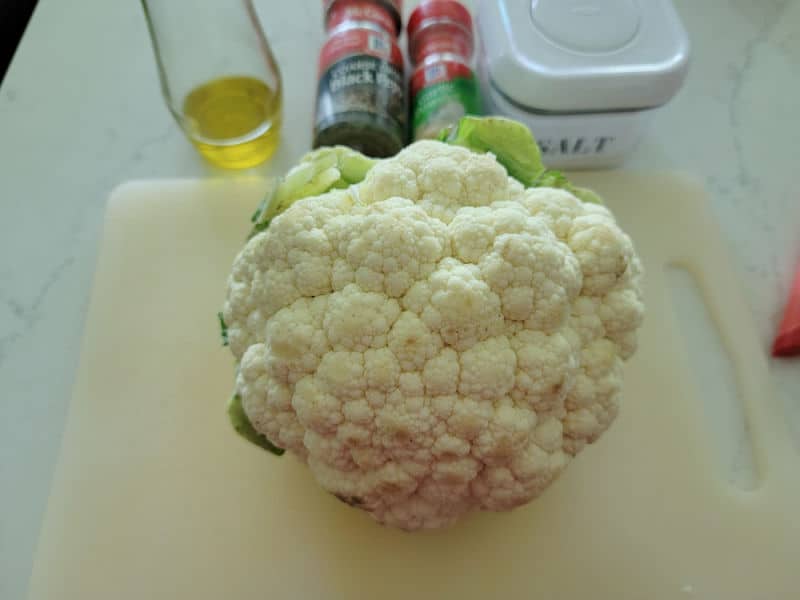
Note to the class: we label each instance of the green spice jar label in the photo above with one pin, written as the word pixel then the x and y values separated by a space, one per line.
pixel 360 91
pixel 442 93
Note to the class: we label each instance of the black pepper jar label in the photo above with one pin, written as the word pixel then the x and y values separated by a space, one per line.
pixel 360 95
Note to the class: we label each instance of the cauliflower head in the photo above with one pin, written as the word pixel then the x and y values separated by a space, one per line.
pixel 437 338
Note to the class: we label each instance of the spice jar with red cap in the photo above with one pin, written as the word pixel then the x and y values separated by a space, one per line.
pixel 361 96
pixel 443 85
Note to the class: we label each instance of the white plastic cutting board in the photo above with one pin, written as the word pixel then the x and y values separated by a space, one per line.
pixel 155 497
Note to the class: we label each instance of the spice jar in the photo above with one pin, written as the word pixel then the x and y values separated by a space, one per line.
pixel 443 85
pixel 386 14
pixel 361 96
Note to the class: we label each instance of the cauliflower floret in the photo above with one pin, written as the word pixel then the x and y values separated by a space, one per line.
pixel 436 339
pixel 441 179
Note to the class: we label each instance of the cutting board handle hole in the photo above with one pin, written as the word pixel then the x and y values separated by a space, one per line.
pixel 715 377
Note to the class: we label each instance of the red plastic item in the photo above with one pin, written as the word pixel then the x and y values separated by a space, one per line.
pixel 787 342
pixel 386 14
pixel 440 26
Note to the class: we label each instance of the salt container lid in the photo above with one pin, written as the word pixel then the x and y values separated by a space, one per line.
pixel 567 56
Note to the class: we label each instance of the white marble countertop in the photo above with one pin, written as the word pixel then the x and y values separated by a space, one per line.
pixel 81 111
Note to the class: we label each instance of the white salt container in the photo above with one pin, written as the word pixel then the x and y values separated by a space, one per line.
pixel 584 75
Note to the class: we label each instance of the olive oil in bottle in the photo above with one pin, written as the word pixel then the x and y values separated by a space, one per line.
pixel 234 122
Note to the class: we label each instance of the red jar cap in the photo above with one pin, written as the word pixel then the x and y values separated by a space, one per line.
pixel 387 14
pixel 439 9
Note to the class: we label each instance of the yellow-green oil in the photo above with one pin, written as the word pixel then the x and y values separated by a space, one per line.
pixel 234 122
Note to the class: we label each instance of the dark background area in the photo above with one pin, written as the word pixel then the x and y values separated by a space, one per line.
pixel 14 16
